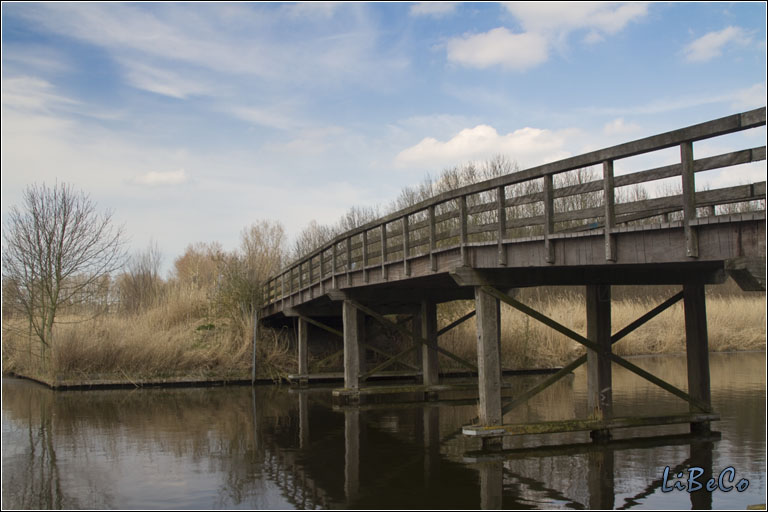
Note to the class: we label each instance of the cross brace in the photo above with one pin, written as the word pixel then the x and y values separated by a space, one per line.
pixel 405 332
pixel 597 348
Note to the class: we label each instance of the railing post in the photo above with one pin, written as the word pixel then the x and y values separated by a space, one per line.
pixel 301 282
pixel 309 276
pixel 365 256
pixel 349 259
pixel 502 224
pixel 322 264
pixel 406 246
pixel 610 210
pixel 282 288
pixel 333 266
pixel 689 200
pixel 384 251
pixel 290 285
pixel 432 239
pixel 463 230
pixel 549 219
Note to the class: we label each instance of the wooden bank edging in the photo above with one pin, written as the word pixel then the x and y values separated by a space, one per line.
pixel 98 384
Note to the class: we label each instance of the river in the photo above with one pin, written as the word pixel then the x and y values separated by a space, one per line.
pixel 272 447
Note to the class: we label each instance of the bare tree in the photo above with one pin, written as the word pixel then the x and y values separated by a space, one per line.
pixel 57 247
pixel 140 285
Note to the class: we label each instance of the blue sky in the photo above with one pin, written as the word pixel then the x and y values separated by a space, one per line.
pixel 191 121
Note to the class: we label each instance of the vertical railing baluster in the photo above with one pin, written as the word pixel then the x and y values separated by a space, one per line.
pixel 365 256
pixel 549 219
pixel 309 276
pixel 463 237
pixel 384 251
pixel 610 210
pixel 406 246
pixel 322 270
pixel 349 259
pixel 432 239
pixel 689 200
pixel 333 265
pixel 501 205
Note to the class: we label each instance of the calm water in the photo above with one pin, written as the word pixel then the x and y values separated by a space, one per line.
pixel 281 449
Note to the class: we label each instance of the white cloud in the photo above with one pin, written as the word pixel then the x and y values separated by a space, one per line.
pixel 711 45
pixel 31 94
pixel 749 98
pixel 159 179
pixel 608 18
pixel 498 47
pixel 619 127
pixel 163 81
pixel 527 146
pixel 545 24
pixel 436 9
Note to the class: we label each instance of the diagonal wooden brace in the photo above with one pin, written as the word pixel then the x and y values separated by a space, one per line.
pixel 341 335
pixel 408 334
pixel 456 323
pixel 583 359
pixel 597 348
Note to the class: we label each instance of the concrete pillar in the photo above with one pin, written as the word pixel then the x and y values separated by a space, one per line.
pixel 599 386
pixel 354 334
pixel 488 357
pixel 430 369
pixel 697 347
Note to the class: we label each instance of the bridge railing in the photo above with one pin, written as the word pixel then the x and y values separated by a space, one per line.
pixel 533 203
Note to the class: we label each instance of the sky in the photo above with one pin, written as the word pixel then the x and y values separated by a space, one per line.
pixel 191 121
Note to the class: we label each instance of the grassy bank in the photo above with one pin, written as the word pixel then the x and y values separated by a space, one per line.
pixel 179 339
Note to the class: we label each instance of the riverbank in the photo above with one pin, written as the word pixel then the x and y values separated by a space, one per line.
pixel 174 345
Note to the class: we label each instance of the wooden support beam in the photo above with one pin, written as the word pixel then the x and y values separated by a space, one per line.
pixel 389 362
pixel 610 213
pixel 322 270
pixel 354 334
pixel 456 323
pixel 324 360
pixel 599 386
pixel 697 347
pixel 430 368
pixel 577 425
pixel 407 334
pixel 488 357
pixel 689 199
pixel 593 346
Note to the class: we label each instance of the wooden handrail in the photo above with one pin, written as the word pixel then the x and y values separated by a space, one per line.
pixel 371 233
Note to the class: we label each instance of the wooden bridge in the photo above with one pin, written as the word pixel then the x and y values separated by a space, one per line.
pixel 527 229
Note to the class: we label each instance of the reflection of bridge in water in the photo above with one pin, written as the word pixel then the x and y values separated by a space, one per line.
pixel 443 469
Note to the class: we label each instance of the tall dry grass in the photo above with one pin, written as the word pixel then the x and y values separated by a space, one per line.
pixel 174 338
pixel 736 322
pixel 179 336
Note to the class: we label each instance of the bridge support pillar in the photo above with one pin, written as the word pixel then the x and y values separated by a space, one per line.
pixel 354 353
pixel 599 385
pixel 428 332
pixel 697 348
pixel 488 357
